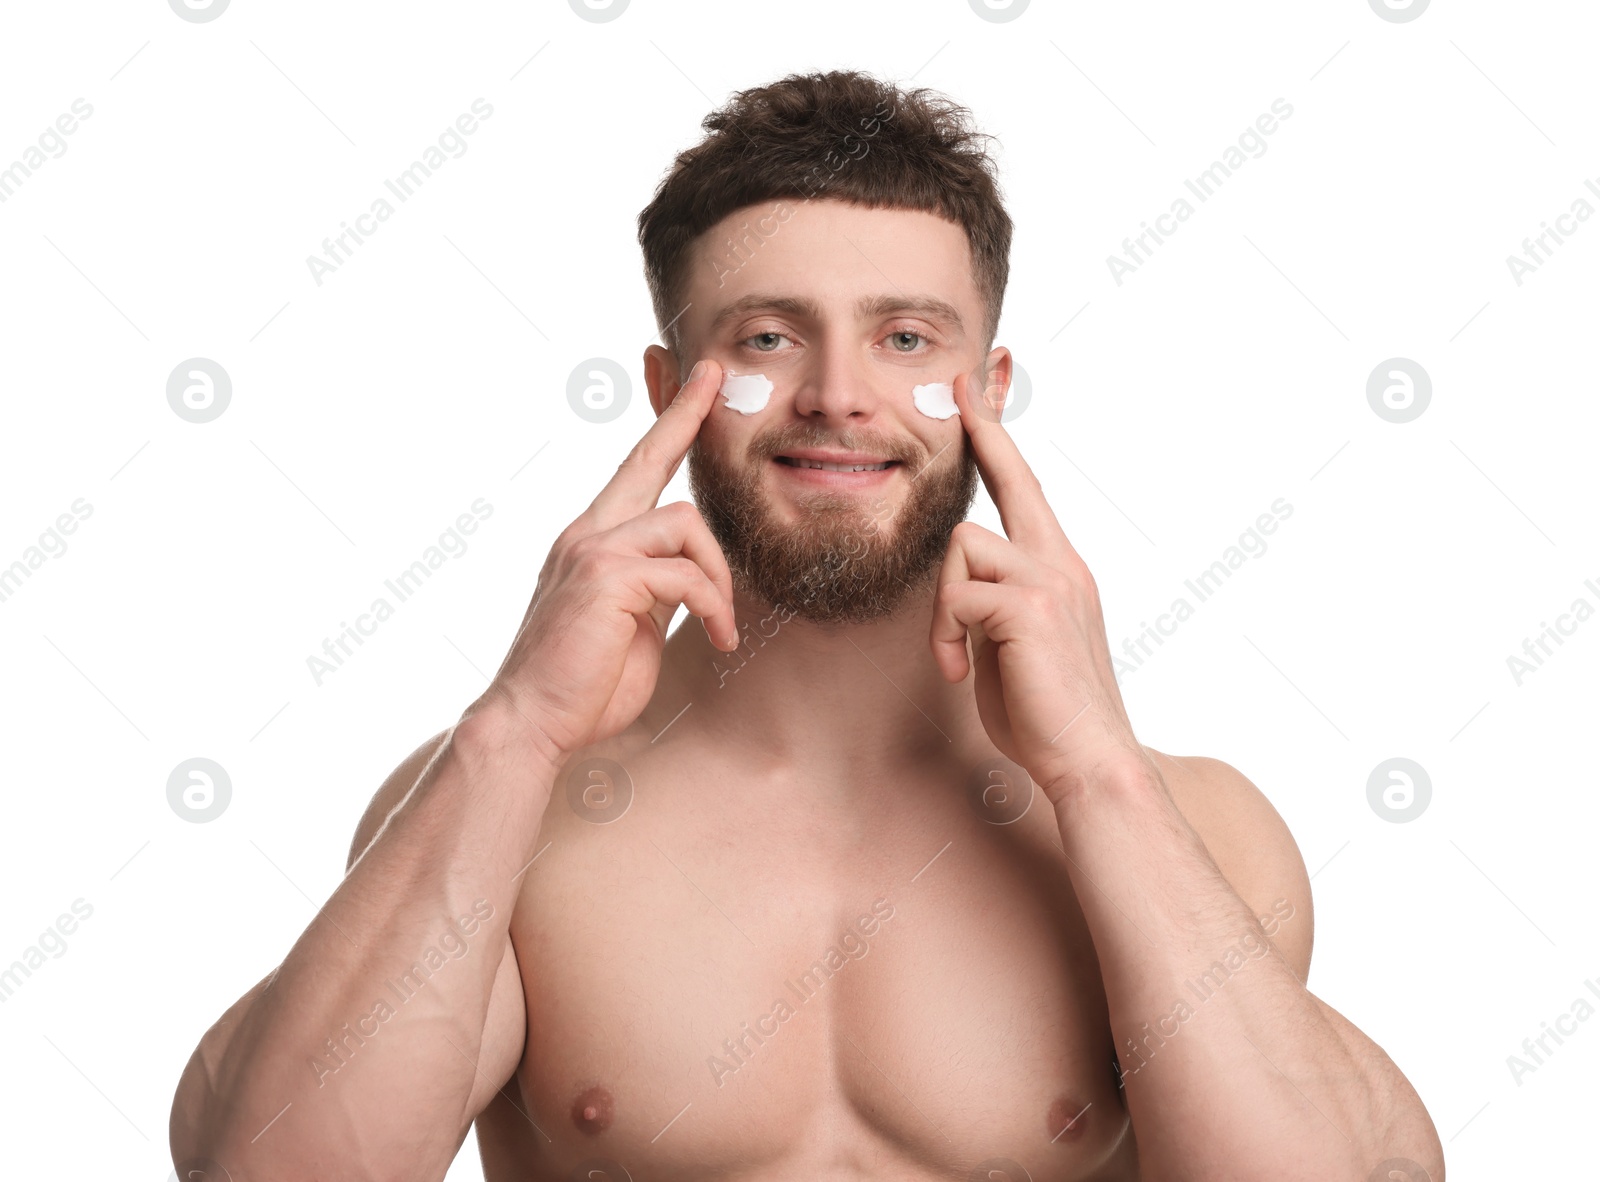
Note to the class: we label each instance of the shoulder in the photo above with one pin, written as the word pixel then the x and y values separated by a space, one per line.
pixel 1251 845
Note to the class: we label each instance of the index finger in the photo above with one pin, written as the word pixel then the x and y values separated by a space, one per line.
pixel 1024 513
pixel 643 475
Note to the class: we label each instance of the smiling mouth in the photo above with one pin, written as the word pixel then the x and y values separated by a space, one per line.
pixel 827 467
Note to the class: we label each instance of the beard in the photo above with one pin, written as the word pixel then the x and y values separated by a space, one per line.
pixel 849 559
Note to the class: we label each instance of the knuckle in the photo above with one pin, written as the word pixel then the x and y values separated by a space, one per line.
pixel 642 453
pixel 586 560
pixel 685 512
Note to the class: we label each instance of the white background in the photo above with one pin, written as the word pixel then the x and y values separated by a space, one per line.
pixel 369 411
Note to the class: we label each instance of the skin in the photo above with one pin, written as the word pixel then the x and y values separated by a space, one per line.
pixel 810 791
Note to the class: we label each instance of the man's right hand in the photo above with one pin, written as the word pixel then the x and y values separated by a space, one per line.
pixel 585 660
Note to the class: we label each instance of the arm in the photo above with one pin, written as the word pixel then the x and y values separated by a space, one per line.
pixel 354 1050
pixel 1233 1070
pixel 399 1012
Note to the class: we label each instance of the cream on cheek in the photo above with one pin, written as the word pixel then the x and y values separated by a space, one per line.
pixel 936 400
pixel 747 393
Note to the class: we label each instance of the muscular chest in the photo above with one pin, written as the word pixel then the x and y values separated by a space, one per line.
pixel 725 978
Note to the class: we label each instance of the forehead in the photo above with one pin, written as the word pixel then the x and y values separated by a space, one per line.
pixel 830 259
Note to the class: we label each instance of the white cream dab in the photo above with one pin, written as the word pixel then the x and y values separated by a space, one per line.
pixel 936 400
pixel 746 393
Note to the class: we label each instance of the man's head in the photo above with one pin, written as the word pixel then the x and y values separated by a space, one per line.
pixel 846 241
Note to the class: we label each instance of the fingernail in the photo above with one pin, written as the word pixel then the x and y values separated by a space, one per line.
pixel 694 374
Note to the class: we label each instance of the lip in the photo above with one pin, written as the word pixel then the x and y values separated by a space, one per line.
pixel 822 455
pixel 821 478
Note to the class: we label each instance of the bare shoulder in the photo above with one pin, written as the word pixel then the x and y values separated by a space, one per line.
pixel 1250 844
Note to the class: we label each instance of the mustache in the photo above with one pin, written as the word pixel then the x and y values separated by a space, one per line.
pixel 797 436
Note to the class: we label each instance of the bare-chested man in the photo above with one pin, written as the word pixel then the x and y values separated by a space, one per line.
pixel 862 875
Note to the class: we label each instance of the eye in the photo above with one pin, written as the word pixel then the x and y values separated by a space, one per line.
pixel 897 339
pixel 765 337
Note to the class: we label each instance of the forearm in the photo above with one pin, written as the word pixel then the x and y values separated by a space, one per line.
pixel 1232 1068
pixel 357 1057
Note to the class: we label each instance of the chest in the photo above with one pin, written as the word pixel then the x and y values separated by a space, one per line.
pixel 740 976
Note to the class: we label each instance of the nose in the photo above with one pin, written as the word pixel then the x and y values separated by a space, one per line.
pixel 835 386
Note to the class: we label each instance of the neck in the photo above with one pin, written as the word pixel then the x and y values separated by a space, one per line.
pixel 812 695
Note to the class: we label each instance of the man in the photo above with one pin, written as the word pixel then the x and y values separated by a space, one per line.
pixel 864 875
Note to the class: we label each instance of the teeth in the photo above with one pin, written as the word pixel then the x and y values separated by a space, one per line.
pixel 825 467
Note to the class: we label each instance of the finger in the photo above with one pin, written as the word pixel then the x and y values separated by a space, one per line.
pixel 647 583
pixel 671 530
pixel 975 557
pixel 1015 490
pixel 961 607
pixel 642 476
pixel 978 553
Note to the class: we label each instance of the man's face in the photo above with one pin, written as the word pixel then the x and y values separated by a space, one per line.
pixel 844 310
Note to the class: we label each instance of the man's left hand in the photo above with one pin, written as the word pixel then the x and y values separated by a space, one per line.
pixel 1046 692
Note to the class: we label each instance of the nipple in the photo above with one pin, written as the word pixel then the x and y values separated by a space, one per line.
pixel 591 1111
pixel 1068 1120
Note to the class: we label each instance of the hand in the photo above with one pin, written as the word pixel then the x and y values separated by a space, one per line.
pixel 585 660
pixel 1046 692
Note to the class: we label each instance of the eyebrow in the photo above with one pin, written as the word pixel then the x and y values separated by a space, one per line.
pixel 942 312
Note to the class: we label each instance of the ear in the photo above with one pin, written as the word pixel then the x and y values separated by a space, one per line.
pixel 661 371
pixel 992 382
pixel 997 371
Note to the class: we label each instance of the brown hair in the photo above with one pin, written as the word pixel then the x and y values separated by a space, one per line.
pixel 843 135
